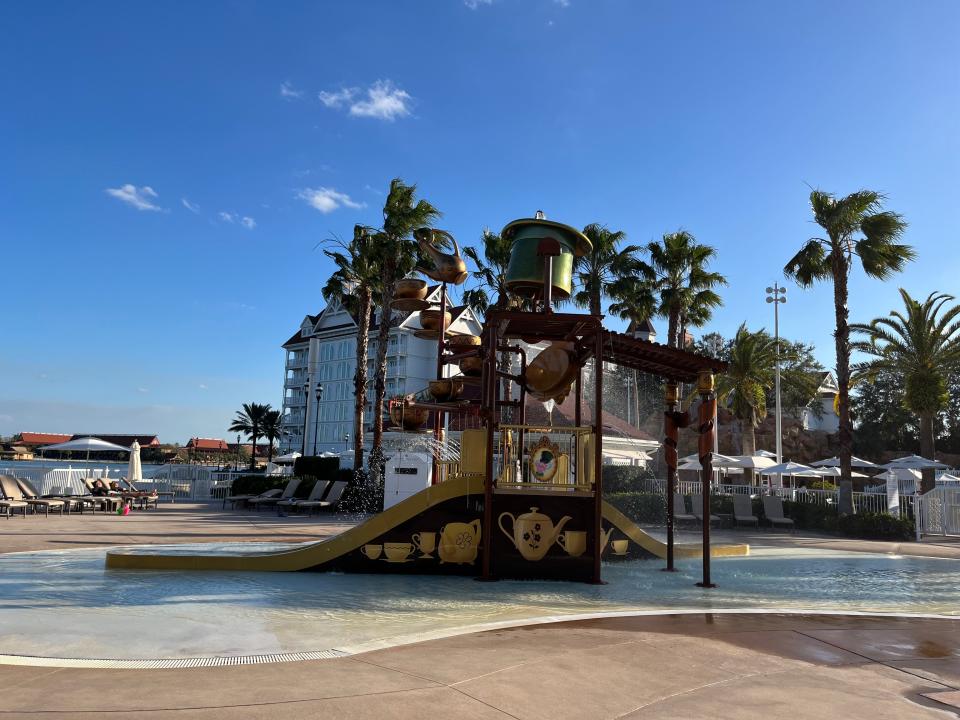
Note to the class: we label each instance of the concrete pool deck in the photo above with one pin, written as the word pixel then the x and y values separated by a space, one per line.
pixel 699 665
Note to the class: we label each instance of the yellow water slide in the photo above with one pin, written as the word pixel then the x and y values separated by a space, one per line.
pixel 309 555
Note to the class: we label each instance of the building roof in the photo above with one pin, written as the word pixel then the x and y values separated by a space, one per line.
pixel 198 443
pixel 35 438
pixel 564 414
pixel 641 326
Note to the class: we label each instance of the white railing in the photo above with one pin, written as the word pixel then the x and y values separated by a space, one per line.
pixel 940 512
pixel 862 502
pixel 59 481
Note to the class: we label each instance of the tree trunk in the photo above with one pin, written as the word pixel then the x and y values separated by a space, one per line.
pixel 673 324
pixel 360 376
pixel 842 338
pixel 927 450
pixel 270 451
pixel 380 379
pixel 748 446
pixel 253 446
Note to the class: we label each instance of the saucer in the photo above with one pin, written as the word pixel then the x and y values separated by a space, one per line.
pixel 623 554
pixel 405 560
pixel 426 556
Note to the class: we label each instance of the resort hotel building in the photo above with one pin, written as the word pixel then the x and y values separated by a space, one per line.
pixel 318 401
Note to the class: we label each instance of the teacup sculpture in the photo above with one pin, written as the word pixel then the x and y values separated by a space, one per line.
pixel 573 541
pixel 426 543
pixel 397 552
pixel 459 542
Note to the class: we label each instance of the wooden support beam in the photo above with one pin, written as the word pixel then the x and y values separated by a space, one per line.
pixel 671 433
pixel 708 409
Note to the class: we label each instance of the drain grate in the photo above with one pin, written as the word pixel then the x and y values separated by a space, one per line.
pixel 158 664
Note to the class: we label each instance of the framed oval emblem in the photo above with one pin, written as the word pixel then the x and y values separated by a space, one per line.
pixel 544 460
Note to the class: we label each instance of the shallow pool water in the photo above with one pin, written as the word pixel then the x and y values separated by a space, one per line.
pixel 66 604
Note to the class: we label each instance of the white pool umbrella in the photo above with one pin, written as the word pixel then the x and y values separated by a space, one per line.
pixel 765 453
pixel 835 472
pixel 86 444
pixel 134 471
pixel 790 468
pixel 757 462
pixel 835 462
pixel 915 462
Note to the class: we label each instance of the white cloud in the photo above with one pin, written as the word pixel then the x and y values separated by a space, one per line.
pixel 227 217
pixel 474 4
pixel 140 198
pixel 563 3
pixel 248 222
pixel 382 100
pixel 202 386
pixel 287 91
pixel 190 206
pixel 326 200
pixel 338 98
pixel 143 390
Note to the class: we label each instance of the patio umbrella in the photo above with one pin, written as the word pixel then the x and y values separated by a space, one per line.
pixel 765 453
pixel 835 462
pixel 757 462
pixel 790 468
pixel 915 462
pixel 835 472
pixel 134 471
pixel 692 462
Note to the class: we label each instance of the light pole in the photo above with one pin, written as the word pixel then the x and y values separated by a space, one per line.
pixel 238 452
pixel 346 442
pixel 316 429
pixel 626 386
pixel 777 295
pixel 306 395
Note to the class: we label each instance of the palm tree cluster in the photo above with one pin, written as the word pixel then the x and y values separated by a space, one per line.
pixel 256 420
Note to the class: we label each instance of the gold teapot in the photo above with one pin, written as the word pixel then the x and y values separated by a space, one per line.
pixel 446 267
pixel 459 542
pixel 605 538
pixel 533 532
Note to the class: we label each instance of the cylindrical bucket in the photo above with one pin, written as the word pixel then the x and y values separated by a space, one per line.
pixel 525 270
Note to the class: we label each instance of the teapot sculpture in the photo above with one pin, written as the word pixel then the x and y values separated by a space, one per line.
pixel 446 267
pixel 605 538
pixel 459 542
pixel 533 532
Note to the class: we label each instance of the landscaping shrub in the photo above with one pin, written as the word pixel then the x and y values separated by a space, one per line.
pixel 325 468
pixel 877 526
pixel 256 484
pixel 648 508
pixel 625 478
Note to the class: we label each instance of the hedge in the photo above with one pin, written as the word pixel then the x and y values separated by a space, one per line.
pixel 325 468
pixel 625 478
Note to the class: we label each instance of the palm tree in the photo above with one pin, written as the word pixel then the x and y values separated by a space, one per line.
pixel 272 428
pixel 397 256
pixel 750 375
pixel 353 285
pixel 249 421
pixel 490 275
pixel 676 284
pixel 856 226
pixel 921 347
pixel 599 271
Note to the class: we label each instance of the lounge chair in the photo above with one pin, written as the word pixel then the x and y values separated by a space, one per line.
pixel 234 499
pixel 320 489
pixel 743 511
pixel 773 509
pixel 8 506
pixel 680 509
pixel 143 497
pixel 104 502
pixel 696 505
pixel 331 500
pixel 288 492
pixel 22 490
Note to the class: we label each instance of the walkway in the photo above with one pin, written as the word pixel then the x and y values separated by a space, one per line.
pixel 735 667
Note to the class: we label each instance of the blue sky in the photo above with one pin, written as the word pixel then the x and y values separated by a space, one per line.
pixel 168 168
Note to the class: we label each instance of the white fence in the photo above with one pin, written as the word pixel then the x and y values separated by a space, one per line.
pixel 940 512
pixel 186 481
pixel 862 502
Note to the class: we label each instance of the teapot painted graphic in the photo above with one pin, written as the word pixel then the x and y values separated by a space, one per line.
pixel 459 542
pixel 446 267
pixel 533 532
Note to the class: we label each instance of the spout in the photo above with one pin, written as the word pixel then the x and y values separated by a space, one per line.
pixel 559 528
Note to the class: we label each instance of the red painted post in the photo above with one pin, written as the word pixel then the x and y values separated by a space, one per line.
pixel 598 458
pixel 671 437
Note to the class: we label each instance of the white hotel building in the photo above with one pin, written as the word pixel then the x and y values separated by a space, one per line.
pixel 323 352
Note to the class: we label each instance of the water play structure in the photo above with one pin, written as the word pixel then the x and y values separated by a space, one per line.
pixel 522 500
